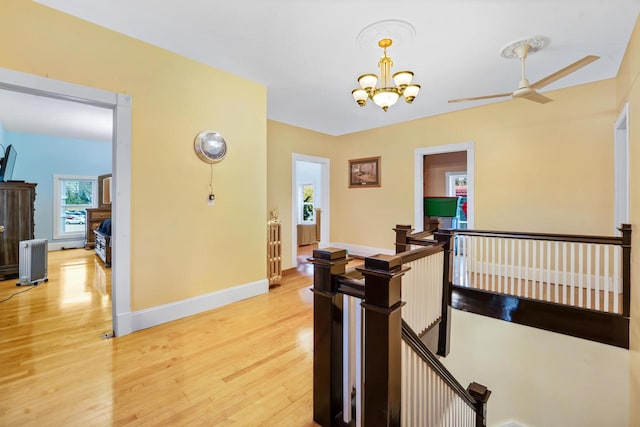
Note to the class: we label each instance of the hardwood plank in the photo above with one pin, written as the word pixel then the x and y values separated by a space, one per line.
pixel 246 364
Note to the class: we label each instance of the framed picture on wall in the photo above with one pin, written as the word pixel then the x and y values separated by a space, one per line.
pixel 364 172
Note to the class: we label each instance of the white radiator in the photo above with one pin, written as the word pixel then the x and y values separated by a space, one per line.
pixel 33 262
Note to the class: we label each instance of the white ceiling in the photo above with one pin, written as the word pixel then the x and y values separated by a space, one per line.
pixel 306 53
pixel 27 113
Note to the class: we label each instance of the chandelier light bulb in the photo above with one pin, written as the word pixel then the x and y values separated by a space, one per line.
pixel 385 97
pixel 403 78
pixel 368 81
pixel 360 95
pixel 410 93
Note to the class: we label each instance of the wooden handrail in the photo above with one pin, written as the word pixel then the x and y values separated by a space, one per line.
pixel 412 339
pixel 414 254
pixel 603 240
pixel 351 286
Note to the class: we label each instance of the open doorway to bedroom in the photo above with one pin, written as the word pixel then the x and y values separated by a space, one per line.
pixel 445 171
pixel 117 150
pixel 310 206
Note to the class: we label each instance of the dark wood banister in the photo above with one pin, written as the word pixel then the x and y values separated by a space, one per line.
pixel 608 328
pixel 380 292
pixel 414 254
pixel 576 238
pixel 623 241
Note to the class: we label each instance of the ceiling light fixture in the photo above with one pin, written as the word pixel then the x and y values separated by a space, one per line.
pixel 386 95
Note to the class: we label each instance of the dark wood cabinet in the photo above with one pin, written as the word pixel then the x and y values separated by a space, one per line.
pixel 94 219
pixel 103 247
pixel 16 223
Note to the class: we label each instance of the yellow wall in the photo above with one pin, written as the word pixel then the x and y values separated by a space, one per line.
pixel 540 378
pixel 628 90
pixel 284 140
pixel 180 247
pixel 546 168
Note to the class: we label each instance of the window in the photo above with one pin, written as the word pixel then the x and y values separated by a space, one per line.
pixel 457 186
pixel 72 196
pixel 307 212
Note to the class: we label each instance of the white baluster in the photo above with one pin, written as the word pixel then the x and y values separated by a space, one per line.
pixel 607 287
pixel 548 271
pixel 557 269
pixel 589 276
pixel 519 268
pixel 616 279
pixel 580 274
pixel 564 273
pixel 597 278
pixel 534 269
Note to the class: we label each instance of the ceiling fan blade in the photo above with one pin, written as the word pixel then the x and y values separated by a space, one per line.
pixel 499 95
pixel 564 72
pixel 536 97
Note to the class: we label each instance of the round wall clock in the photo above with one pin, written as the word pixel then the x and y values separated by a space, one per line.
pixel 210 146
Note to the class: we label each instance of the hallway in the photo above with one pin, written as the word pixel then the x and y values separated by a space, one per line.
pixel 246 364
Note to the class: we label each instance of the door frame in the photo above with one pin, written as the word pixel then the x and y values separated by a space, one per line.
pixel 621 204
pixel 121 171
pixel 419 153
pixel 325 169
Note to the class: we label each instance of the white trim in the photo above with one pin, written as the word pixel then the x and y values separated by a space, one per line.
pixel 448 178
pixel 361 251
pixel 121 169
pixel 176 310
pixel 419 154
pixel 121 214
pixel 325 170
pixel 621 169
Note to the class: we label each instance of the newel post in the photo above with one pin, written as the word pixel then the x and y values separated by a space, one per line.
pixel 626 269
pixel 383 339
pixel 444 333
pixel 481 394
pixel 402 235
pixel 328 263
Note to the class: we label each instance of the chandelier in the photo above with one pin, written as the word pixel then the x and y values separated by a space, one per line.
pixel 386 95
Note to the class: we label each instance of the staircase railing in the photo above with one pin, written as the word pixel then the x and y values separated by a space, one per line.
pixel 582 271
pixel 454 406
pixel 576 285
pixel 358 364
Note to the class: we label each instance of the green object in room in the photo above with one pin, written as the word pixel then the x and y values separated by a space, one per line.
pixel 441 206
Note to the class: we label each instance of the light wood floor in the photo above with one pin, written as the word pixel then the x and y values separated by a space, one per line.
pixel 246 364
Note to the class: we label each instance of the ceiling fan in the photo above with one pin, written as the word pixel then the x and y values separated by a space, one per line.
pixel 521 49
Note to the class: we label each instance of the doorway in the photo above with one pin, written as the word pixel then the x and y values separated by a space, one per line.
pixel 121 170
pixel 310 207
pixel 621 169
pixel 466 150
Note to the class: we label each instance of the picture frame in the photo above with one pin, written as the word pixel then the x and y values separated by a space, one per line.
pixel 365 172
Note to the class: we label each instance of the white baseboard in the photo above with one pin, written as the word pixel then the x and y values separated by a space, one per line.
pixel 176 310
pixel 68 244
pixel 363 251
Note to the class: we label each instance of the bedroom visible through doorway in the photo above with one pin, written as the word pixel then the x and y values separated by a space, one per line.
pixel 310 205
pixel 434 167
